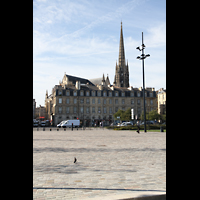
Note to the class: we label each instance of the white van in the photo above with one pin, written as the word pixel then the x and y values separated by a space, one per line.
pixel 68 123
pixel 60 124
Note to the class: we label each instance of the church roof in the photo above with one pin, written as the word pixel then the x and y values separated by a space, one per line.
pixel 73 79
pixel 96 81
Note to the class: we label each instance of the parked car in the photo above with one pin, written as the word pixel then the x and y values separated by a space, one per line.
pixel 126 124
pixel 35 123
pixel 114 124
pixel 43 123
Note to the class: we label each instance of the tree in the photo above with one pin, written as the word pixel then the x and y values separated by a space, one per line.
pixel 124 115
pixel 152 115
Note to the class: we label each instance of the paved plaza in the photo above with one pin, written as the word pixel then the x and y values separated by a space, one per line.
pixel 110 164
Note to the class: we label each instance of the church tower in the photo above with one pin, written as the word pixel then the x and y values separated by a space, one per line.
pixel 121 78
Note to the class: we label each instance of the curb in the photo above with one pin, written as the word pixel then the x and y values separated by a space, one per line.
pixel 155 197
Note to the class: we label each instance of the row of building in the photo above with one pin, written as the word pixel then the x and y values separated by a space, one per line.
pixel 94 100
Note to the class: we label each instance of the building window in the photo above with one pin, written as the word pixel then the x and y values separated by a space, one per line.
pixel 138 102
pixel 99 93
pixel 110 101
pixel 151 94
pixel 67 92
pixel 99 109
pixel 87 93
pixel 104 94
pixel 104 110
pixel 81 101
pixel 116 109
pixel 151 101
pixel 59 92
pixel 60 100
pixel 87 109
pixel 81 93
pixel 123 101
pixel 99 101
pixel 87 100
pixel 132 94
pixel 75 93
pixel 93 109
pixel 110 94
pixel 93 101
pixel 75 109
pixel 116 101
pixel 116 94
pixel 93 93
pixel 67 101
pixel 59 109
pixel 75 100
pixel 110 110
pixel 123 94
pixel 67 109
pixel 138 94
pixel 104 101
pixel 81 109
pixel 132 101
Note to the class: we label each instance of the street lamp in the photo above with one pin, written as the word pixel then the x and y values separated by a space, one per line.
pixel 142 57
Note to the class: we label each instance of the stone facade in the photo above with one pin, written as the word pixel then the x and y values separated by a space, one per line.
pixel 161 95
pixel 94 103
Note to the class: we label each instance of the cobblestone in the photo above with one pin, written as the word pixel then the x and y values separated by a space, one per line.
pixel 110 164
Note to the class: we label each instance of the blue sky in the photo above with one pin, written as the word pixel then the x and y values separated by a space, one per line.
pixel 81 38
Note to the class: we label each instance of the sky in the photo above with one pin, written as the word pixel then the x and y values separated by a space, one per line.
pixel 81 38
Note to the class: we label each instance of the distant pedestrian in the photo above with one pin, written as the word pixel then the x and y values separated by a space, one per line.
pixel 75 159
pixel 72 126
pixel 138 126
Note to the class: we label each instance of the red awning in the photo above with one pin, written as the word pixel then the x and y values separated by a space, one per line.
pixel 41 117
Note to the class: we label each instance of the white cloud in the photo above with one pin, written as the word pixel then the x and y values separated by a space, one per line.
pixel 156 36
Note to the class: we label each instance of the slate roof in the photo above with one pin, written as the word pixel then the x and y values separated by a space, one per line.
pixel 73 79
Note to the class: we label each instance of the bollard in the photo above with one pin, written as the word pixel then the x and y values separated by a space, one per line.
pixel 57 129
pixel 161 129
pixel 43 129
pixel 50 129
pixel 37 129
pixel 72 126
pixel 64 129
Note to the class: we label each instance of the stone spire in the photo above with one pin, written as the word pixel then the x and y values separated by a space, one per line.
pixel 103 80
pixel 121 49
pixel 121 78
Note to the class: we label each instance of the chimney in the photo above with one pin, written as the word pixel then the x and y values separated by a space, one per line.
pixel 78 85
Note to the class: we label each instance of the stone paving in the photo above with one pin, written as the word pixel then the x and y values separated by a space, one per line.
pixel 110 164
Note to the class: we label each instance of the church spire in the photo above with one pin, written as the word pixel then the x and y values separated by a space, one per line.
pixel 121 78
pixel 121 49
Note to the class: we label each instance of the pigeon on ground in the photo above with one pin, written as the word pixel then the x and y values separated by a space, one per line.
pixel 75 159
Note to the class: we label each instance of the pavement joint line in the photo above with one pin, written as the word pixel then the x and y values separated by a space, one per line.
pixel 68 188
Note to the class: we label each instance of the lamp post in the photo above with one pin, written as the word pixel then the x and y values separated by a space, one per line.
pixel 142 57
